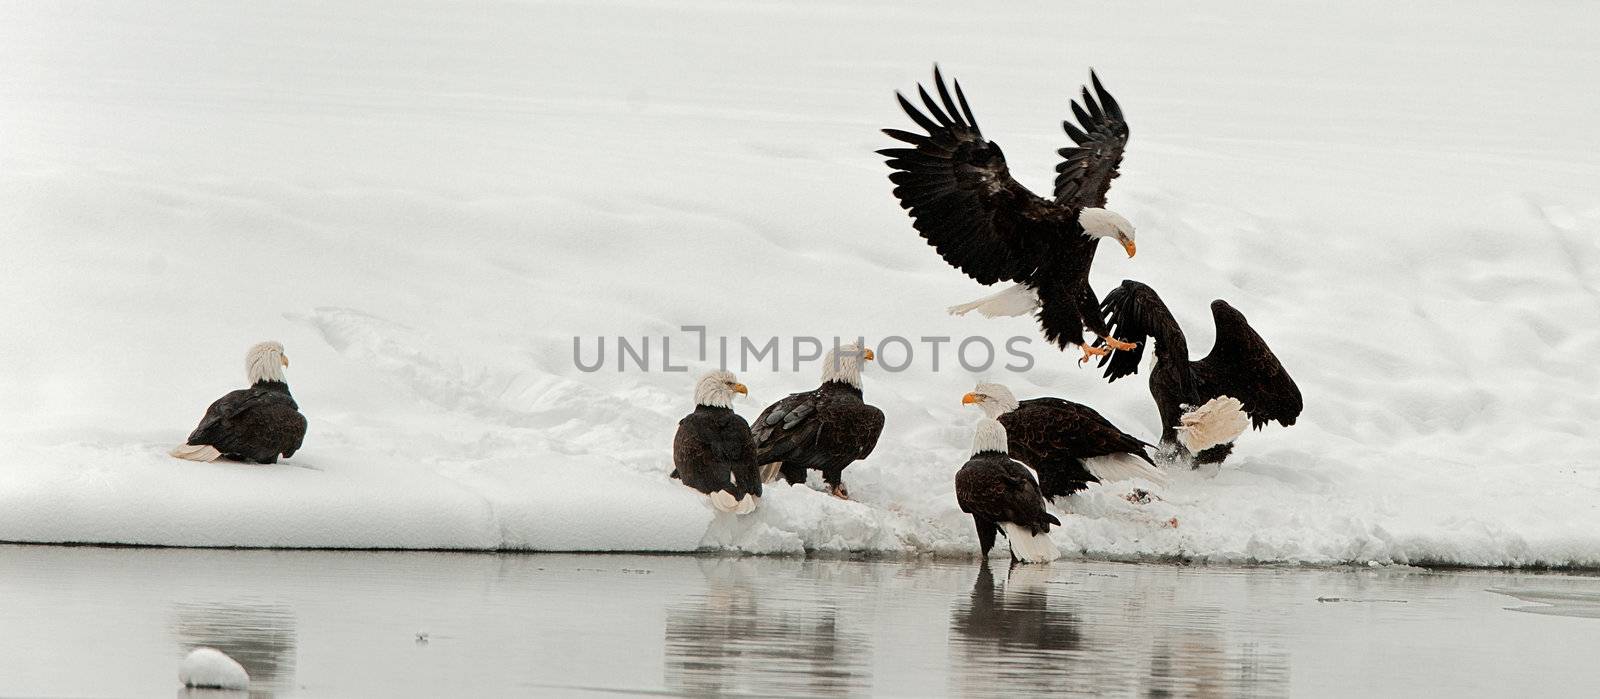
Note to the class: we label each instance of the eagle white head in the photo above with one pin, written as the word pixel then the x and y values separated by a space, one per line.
pixel 265 362
pixel 716 389
pixel 990 435
pixel 992 398
pixel 843 363
pixel 1103 223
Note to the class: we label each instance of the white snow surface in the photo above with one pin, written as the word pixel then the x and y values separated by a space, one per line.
pixel 209 668
pixel 425 203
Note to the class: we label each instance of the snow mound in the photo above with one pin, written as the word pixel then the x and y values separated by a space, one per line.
pixel 427 218
pixel 209 668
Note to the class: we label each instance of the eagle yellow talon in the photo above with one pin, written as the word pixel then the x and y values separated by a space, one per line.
pixel 1116 344
pixel 1089 352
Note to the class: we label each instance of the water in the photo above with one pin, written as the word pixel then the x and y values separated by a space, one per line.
pixel 115 622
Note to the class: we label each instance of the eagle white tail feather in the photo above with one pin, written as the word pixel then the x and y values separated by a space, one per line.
pixel 769 472
pixel 747 504
pixel 1121 467
pixel 1219 421
pixel 1029 547
pixel 723 501
pixel 197 452
pixel 1015 300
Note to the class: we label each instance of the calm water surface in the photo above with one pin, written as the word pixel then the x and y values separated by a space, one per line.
pixel 115 622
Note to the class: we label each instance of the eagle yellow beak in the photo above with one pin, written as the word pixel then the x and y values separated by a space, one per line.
pixel 739 388
pixel 285 359
pixel 867 355
pixel 970 398
pixel 1130 247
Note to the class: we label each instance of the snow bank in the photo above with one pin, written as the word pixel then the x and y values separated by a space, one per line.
pixel 426 207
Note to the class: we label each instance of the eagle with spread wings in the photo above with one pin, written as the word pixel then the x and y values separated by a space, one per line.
pixel 1240 365
pixel 964 202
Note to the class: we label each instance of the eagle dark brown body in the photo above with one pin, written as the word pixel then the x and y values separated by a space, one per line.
pixel 255 425
pixel 1055 436
pixel 713 451
pixel 826 429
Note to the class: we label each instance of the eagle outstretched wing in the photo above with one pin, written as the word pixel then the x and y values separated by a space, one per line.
pixel 1241 365
pixel 1084 175
pixel 961 195
pixel 1137 314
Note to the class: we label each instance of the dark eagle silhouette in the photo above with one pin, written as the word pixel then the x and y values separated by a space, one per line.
pixel 255 424
pixel 1069 445
pixel 1002 497
pixel 825 429
pixel 964 202
pixel 1240 365
pixel 713 451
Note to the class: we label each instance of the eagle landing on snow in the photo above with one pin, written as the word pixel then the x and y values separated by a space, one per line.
pixel 965 203
pixel 255 424
pixel 713 451
pixel 826 429
pixel 1240 371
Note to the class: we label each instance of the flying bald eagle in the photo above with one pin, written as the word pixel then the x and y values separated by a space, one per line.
pixel 713 451
pixel 1240 370
pixel 1002 496
pixel 1068 444
pixel 254 424
pixel 965 203
pixel 826 429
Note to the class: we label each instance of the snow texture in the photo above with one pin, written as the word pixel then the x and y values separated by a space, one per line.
pixel 209 668
pixel 426 205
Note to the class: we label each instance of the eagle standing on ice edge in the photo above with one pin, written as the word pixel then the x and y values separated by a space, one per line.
pixel 713 451
pixel 826 429
pixel 964 201
pixel 1002 497
pixel 254 424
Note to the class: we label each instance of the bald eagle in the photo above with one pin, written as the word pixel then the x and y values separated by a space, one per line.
pixel 964 202
pixel 1240 370
pixel 254 424
pixel 826 429
pixel 1068 444
pixel 713 451
pixel 1002 496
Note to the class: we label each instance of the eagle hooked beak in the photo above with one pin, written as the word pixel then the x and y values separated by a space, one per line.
pixel 285 360
pixel 867 355
pixel 1130 247
pixel 970 398
pixel 739 388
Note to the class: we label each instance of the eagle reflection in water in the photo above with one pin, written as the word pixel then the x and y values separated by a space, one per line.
pixel 745 635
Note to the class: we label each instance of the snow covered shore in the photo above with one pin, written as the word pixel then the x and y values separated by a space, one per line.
pixel 427 206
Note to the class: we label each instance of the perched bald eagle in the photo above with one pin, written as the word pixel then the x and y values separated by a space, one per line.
pixel 964 201
pixel 1002 496
pixel 1068 444
pixel 826 429
pixel 254 424
pixel 1240 370
pixel 713 451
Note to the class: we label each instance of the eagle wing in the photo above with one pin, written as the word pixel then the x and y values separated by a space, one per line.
pixel 1136 314
pixel 1241 365
pixel 224 411
pixel 786 427
pixel 1084 175
pixel 1058 428
pixel 962 197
